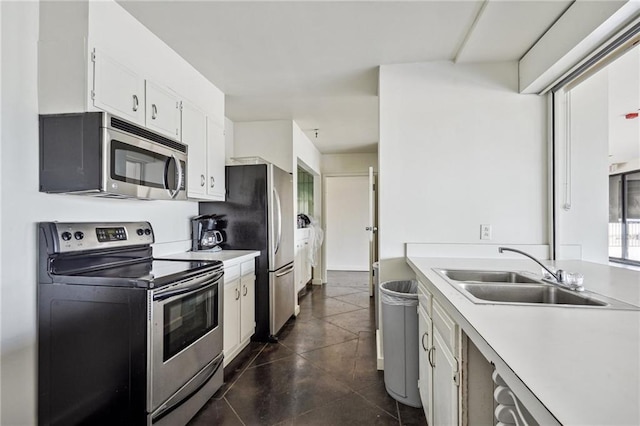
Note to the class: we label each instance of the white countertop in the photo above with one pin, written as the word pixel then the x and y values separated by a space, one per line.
pixel 228 257
pixel 582 364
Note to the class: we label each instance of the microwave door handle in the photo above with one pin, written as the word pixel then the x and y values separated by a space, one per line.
pixel 180 176
pixel 172 193
pixel 276 197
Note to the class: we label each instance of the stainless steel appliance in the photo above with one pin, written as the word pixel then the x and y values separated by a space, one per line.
pixel 207 232
pixel 95 153
pixel 259 215
pixel 124 338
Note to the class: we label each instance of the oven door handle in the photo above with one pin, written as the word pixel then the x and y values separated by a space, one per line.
pixel 199 285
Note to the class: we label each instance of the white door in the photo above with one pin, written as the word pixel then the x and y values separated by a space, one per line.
pixel 371 227
pixel 347 207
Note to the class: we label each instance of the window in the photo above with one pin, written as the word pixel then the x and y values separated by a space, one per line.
pixel 624 217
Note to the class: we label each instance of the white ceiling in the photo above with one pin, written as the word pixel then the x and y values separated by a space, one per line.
pixel 316 62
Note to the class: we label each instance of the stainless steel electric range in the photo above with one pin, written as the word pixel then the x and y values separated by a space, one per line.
pixel 123 338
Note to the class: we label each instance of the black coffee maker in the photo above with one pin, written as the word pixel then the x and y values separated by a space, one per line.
pixel 207 232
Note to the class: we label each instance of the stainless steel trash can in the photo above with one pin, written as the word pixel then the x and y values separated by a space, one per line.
pixel 400 340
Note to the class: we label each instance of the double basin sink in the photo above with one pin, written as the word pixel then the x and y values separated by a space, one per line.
pixel 508 287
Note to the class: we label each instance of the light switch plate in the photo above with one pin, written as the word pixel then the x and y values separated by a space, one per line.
pixel 485 232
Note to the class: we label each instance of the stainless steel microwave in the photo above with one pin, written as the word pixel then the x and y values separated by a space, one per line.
pixel 96 153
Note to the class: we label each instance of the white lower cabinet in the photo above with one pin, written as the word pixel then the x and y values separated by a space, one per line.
pixel 445 383
pixel 425 376
pixel 302 263
pixel 239 308
pixel 439 359
pixel 248 302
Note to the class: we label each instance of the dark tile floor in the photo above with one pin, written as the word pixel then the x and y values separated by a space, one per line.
pixel 322 371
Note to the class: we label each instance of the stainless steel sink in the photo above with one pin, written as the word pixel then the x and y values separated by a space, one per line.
pixel 487 276
pixel 529 293
pixel 516 288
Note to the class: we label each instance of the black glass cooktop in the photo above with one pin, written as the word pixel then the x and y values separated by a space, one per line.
pixel 145 274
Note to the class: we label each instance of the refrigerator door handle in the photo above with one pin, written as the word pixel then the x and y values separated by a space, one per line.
pixel 276 197
pixel 285 271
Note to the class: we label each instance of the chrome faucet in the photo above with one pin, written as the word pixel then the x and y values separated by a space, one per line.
pixel 560 277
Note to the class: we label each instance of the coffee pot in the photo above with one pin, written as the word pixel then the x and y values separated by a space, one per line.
pixel 205 234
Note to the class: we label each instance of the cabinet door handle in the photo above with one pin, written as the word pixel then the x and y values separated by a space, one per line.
pixel 237 294
pixel 422 340
pixel 154 111
pixel 213 181
pixel 430 356
pixel 202 180
pixel 135 103
pixel 244 293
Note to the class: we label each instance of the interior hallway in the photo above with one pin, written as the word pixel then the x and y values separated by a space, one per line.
pixel 321 372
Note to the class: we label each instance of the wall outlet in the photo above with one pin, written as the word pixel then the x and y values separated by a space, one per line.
pixel 485 232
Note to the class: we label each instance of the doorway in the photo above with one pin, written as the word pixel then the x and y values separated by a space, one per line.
pixel 347 217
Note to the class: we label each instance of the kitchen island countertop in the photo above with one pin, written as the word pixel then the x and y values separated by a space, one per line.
pixel 574 365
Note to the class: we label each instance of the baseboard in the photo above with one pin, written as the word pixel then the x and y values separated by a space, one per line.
pixel 316 281
pixel 296 312
pixel 380 355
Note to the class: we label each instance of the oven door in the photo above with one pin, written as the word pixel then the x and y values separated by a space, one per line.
pixel 185 332
pixel 139 168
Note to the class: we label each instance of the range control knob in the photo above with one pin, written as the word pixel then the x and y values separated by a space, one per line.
pixel 140 231
pixel 78 235
pixel 66 236
pixel 147 231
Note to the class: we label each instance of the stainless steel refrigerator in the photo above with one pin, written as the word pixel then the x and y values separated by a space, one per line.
pixel 258 214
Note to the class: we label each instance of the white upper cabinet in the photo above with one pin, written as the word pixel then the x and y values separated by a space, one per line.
pixel 117 89
pixel 215 161
pixel 194 134
pixel 134 75
pixel 205 138
pixel 162 110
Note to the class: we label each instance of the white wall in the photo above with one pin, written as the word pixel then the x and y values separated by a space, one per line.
pixel 271 140
pixel 305 151
pixel 459 147
pixel 585 222
pixel 347 210
pixel 23 206
pixel 349 163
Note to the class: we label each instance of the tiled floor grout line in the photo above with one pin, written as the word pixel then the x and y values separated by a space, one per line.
pixel 345 369
pixel 237 377
pixel 234 410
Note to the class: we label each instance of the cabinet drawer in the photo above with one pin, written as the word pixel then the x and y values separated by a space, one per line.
pixel 424 298
pixel 445 325
pixel 248 267
pixel 231 273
